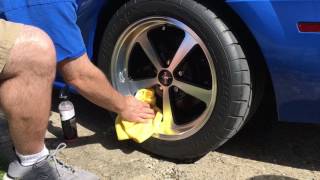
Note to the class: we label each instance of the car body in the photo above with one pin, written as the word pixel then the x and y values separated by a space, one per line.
pixel 285 58
pixel 292 57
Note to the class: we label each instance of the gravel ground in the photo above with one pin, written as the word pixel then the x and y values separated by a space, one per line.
pixel 282 151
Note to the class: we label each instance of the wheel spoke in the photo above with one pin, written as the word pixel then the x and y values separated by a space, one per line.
pixel 200 93
pixel 150 51
pixel 167 110
pixel 140 84
pixel 185 47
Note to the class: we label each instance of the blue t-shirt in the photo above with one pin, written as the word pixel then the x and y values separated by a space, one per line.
pixel 8 5
pixel 56 17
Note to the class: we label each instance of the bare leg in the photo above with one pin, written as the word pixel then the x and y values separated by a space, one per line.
pixel 25 89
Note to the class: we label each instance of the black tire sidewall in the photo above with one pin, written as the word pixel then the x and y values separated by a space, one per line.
pixel 209 136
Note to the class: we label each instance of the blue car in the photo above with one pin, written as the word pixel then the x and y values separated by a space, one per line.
pixel 209 62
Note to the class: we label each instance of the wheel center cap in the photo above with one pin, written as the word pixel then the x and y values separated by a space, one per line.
pixel 165 77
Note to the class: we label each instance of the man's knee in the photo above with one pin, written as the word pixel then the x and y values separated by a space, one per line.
pixel 33 50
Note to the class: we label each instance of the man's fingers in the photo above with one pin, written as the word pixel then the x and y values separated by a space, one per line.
pixel 149 111
pixel 147 116
pixel 140 120
pixel 146 105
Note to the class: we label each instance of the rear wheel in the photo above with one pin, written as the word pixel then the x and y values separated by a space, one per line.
pixel 194 63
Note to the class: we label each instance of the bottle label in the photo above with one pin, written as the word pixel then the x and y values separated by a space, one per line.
pixel 67 115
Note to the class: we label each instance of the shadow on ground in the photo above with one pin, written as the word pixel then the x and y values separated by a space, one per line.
pixel 292 145
pixel 3 165
pixel 271 177
pixel 266 140
pixel 93 118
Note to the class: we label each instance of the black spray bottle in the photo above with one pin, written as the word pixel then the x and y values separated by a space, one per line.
pixel 67 115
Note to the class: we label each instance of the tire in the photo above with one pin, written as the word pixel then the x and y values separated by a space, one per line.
pixel 231 74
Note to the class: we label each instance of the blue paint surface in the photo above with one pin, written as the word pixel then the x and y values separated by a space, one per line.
pixel 292 57
pixel 88 12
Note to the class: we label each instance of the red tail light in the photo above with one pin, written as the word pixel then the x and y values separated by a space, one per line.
pixel 309 26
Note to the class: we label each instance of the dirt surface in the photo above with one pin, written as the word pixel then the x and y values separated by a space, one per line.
pixel 282 151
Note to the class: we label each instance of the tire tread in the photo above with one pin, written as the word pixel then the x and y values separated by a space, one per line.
pixel 237 81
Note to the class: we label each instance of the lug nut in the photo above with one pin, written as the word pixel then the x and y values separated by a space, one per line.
pixel 168 62
pixel 180 73
pixel 176 89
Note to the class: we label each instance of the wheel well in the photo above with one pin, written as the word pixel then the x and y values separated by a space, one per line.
pixel 105 15
pixel 255 58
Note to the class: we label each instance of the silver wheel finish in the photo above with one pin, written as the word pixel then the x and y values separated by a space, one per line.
pixel 137 33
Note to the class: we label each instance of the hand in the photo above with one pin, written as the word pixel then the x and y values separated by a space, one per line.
pixel 136 111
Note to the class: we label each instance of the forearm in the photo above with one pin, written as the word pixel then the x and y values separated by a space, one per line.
pixel 95 87
pixel 91 83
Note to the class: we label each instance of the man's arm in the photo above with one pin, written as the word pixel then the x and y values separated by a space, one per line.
pixel 92 84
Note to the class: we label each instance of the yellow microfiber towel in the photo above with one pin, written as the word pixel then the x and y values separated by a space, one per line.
pixel 139 132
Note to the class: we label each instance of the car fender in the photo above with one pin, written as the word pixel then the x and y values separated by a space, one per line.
pixel 292 57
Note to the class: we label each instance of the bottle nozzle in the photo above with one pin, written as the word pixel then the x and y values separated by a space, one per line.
pixel 64 92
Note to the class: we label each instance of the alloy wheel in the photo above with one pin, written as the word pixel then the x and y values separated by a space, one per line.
pixel 167 55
